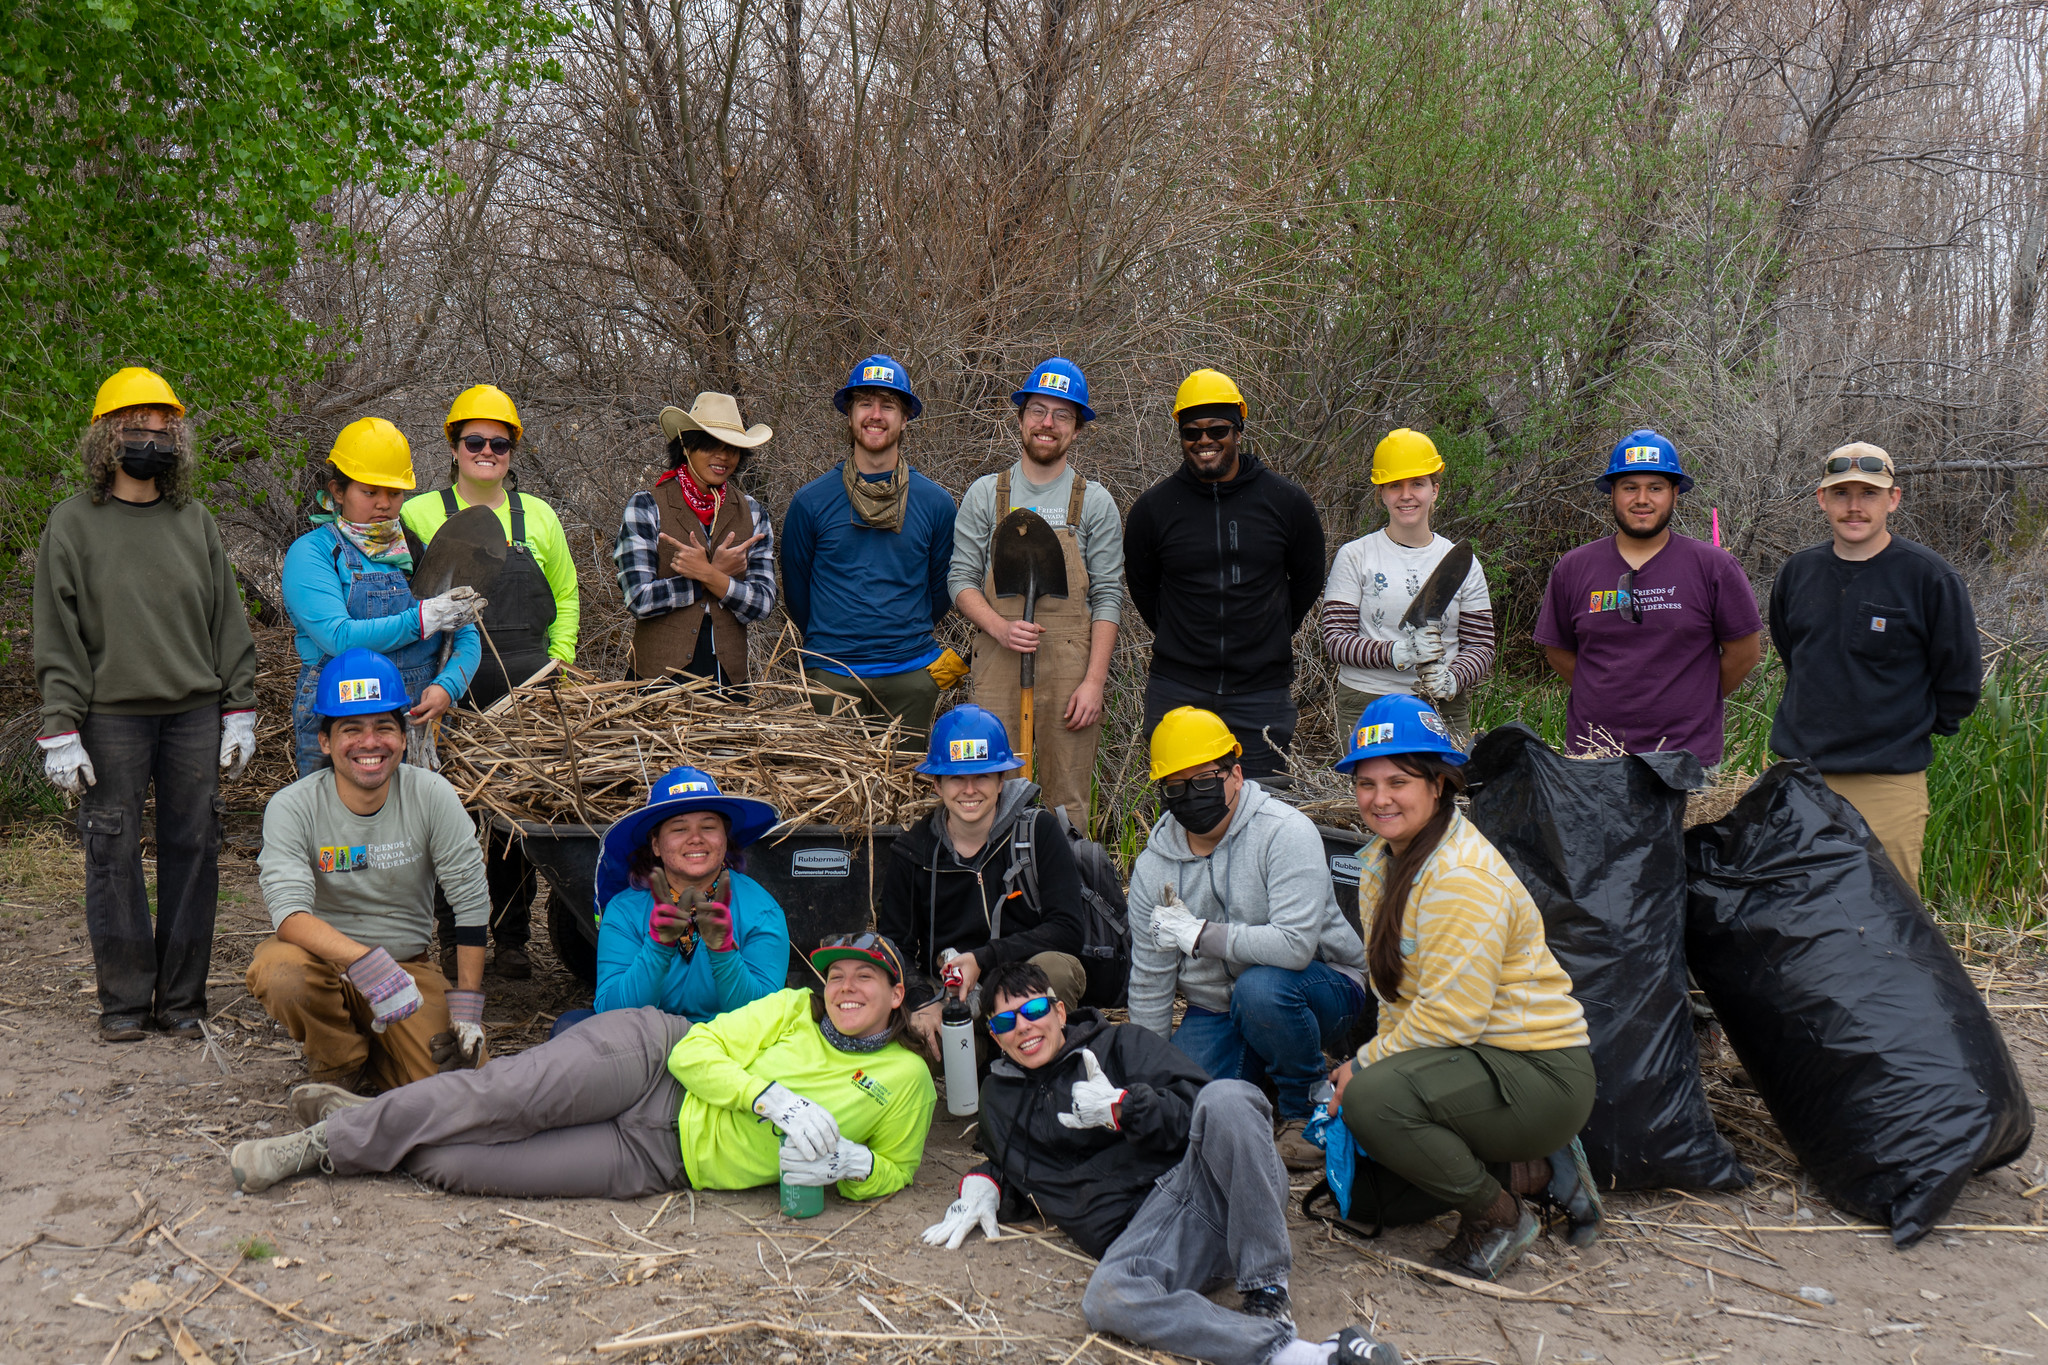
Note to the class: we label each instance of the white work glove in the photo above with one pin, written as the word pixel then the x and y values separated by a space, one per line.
pixel 1095 1099
pixel 65 763
pixel 812 1131
pixel 1424 645
pixel 1171 923
pixel 237 742
pixel 452 610
pixel 979 1197
pixel 1438 682
pixel 462 1048
pixel 849 1161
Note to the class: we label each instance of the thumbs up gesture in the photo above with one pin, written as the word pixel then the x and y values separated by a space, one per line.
pixel 1095 1098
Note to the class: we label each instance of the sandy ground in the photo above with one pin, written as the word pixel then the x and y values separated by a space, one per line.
pixel 121 1239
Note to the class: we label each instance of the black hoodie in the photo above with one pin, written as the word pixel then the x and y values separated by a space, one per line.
pixel 932 899
pixel 1088 1181
pixel 1224 574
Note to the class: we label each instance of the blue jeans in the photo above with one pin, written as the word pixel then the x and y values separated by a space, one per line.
pixel 1278 1025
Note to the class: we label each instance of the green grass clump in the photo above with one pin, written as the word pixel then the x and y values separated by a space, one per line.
pixel 256 1249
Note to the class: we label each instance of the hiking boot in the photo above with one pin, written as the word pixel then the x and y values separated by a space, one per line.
pixel 1297 1153
pixel 120 1028
pixel 1489 1243
pixel 1270 1302
pixel 511 963
pixel 1356 1346
pixel 316 1103
pixel 1572 1190
pixel 263 1162
pixel 188 1029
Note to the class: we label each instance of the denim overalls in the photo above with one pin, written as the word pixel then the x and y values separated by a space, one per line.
pixel 373 594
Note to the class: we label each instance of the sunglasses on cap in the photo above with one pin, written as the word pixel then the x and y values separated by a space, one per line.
pixel 1031 1011
pixel 1869 464
pixel 476 445
pixel 1206 431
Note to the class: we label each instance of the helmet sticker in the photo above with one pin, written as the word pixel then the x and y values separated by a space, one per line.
pixel 966 750
pixel 1642 455
pixel 678 788
pixel 883 373
pixel 1382 733
pixel 1049 380
pixel 360 689
pixel 1433 723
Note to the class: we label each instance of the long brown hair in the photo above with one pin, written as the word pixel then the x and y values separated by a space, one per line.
pixel 1383 947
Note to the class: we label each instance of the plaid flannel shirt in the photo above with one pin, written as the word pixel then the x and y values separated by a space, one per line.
pixel 637 552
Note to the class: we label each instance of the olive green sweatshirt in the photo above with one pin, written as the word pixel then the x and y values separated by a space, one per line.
pixel 137 614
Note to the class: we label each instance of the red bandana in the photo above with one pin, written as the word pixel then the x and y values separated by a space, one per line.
pixel 704 504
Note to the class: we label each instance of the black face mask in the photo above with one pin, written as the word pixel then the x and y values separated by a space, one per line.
pixel 147 460
pixel 1198 812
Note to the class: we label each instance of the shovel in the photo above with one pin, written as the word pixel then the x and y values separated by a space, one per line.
pixel 1438 591
pixel 467 552
pixel 1027 561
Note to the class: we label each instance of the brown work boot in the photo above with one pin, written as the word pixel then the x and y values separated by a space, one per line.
pixel 1489 1243
pixel 512 963
pixel 1297 1153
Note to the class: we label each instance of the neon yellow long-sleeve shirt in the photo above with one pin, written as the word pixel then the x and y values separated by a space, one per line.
pixel 545 540
pixel 881 1099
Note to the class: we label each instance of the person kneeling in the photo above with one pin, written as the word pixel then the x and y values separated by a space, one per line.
pixel 352 853
pixel 1472 1092
pixel 1170 1178
pixel 635 1102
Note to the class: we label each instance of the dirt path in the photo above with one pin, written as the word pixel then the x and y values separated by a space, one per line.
pixel 117 1223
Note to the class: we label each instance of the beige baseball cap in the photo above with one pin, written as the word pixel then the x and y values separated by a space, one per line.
pixel 715 414
pixel 1857 462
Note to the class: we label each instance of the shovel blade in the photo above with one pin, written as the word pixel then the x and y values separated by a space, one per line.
pixel 1026 559
pixel 467 552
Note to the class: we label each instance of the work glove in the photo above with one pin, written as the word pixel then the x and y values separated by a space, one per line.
pixel 452 610
pixel 714 926
pixel 1438 682
pixel 1171 923
pixel 668 924
pixel 812 1131
pixel 237 742
pixel 65 763
pixel 848 1161
pixel 1095 1098
pixel 1423 645
pixel 979 1198
pixel 386 986
pixel 463 1048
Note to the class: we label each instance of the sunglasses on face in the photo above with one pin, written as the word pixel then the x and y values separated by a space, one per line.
pixel 1031 1011
pixel 1625 597
pixel 1869 464
pixel 1206 431
pixel 1173 789
pixel 497 445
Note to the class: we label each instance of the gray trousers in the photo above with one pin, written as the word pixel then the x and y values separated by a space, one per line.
pixel 1219 1216
pixel 588 1115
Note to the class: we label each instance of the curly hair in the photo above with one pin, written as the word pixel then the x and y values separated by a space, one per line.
pixel 99 450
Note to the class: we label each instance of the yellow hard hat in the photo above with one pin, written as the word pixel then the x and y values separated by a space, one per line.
pixel 135 387
pixel 370 450
pixel 485 403
pixel 1208 386
pixel 1404 454
pixel 1186 736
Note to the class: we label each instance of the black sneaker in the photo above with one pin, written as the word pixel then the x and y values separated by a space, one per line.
pixel 189 1029
pixel 512 964
pixel 1356 1346
pixel 120 1028
pixel 1270 1302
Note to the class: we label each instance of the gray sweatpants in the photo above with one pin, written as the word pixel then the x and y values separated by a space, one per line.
pixel 591 1114
pixel 1220 1215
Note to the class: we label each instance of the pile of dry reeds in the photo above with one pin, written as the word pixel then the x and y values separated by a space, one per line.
pixel 568 749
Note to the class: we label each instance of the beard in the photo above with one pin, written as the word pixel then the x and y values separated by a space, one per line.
pixel 1633 534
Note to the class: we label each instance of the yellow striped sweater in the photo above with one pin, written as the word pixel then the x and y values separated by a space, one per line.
pixel 1474 966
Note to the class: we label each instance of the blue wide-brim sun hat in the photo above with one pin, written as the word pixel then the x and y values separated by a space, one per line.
pixel 1399 724
pixel 676 792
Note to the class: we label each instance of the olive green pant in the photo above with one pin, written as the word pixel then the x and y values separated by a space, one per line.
pixel 1441 1125
pixel 910 696
pixel 1456 713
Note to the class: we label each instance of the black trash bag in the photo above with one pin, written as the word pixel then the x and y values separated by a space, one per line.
pixel 1599 843
pixel 1858 1026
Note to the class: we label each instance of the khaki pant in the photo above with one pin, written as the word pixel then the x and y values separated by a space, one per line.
pixel 1894 805
pixel 910 696
pixel 318 1005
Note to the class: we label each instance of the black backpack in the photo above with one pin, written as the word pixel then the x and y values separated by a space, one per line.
pixel 1105 922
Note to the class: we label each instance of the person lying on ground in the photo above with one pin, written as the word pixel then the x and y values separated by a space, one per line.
pixel 1232 903
pixel 1473 1091
pixel 683 928
pixel 954 895
pixel 1170 1179
pixel 352 853
pixel 813 1089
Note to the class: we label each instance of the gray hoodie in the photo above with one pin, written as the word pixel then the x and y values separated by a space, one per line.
pixel 1267 889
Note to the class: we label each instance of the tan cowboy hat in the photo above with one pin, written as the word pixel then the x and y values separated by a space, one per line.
pixel 718 415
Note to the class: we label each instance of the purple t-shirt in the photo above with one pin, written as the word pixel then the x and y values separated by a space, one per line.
pixel 1653 684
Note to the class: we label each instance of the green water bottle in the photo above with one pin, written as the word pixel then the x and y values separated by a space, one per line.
pixel 802 1201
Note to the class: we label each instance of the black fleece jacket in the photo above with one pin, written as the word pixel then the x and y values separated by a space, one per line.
pixel 1088 1181
pixel 932 899
pixel 1224 573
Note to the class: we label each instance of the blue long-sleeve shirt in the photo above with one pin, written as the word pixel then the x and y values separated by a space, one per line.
pixel 866 600
pixel 633 970
pixel 316 584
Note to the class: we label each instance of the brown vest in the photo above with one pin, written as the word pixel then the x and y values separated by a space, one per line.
pixel 670 641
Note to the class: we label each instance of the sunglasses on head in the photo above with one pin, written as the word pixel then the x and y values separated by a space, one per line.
pixel 1031 1011
pixel 1206 431
pixel 498 445
pixel 1869 464
pixel 1173 789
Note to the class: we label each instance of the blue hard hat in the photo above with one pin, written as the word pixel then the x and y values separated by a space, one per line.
pixel 1399 724
pixel 676 792
pixel 968 739
pixel 1643 451
pixel 359 682
pixel 879 372
pixel 1057 378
